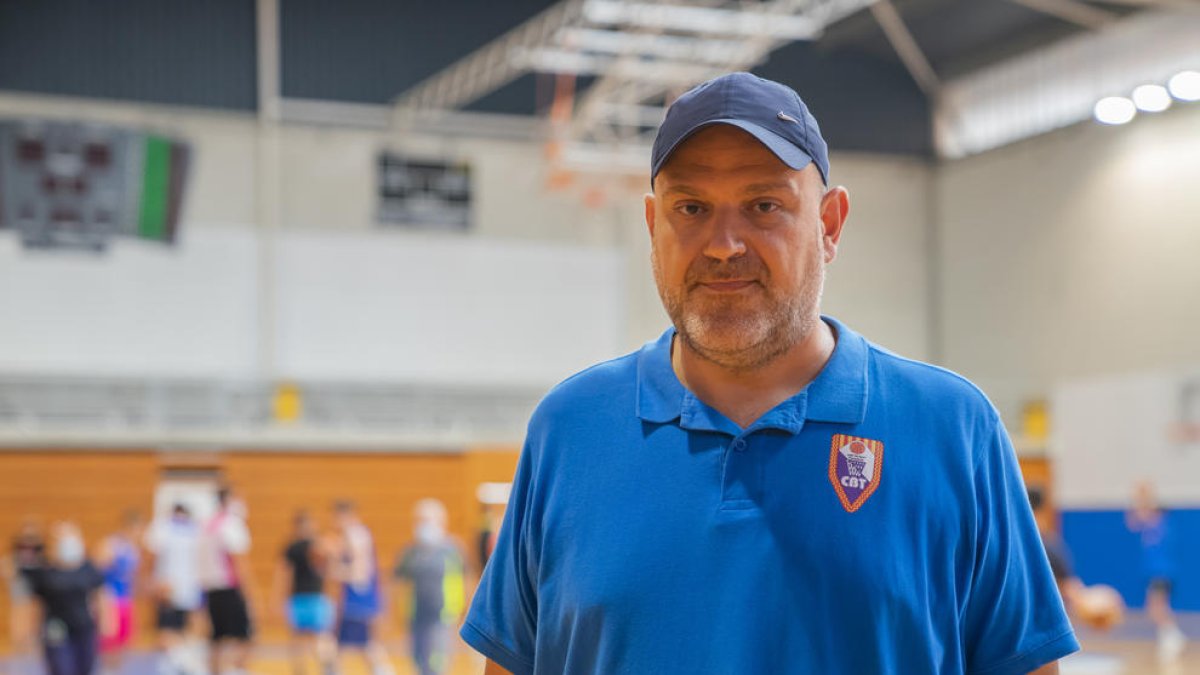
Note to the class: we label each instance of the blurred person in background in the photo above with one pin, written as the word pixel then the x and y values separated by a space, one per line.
pixel 28 550
pixel 299 594
pixel 362 596
pixel 1149 522
pixel 119 557
pixel 1098 606
pixel 433 564
pixel 491 518
pixel 228 584
pixel 66 584
pixel 174 546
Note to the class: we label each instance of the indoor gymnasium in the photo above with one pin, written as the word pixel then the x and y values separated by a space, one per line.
pixel 300 306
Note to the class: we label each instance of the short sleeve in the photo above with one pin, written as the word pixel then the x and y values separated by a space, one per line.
pixel 1013 619
pixel 403 566
pixel 34 576
pixel 235 536
pixel 94 578
pixel 502 621
pixel 152 539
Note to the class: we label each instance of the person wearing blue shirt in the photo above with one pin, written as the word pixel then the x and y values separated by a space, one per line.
pixel 1149 522
pixel 761 489
pixel 120 558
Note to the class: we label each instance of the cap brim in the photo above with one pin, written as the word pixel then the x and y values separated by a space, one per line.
pixel 785 150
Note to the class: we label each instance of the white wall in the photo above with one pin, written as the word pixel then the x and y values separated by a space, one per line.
pixel 328 181
pixel 879 284
pixel 142 309
pixel 340 306
pixel 391 307
pixel 1114 431
pixel 1073 254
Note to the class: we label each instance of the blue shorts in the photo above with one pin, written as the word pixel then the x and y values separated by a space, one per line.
pixel 310 613
pixel 354 632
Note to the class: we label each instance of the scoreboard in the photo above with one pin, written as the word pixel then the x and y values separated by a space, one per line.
pixel 76 185
pixel 423 194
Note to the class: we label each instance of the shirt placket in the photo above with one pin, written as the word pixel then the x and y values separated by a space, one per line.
pixel 741 484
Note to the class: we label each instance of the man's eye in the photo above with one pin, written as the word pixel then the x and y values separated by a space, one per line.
pixel 689 209
pixel 766 207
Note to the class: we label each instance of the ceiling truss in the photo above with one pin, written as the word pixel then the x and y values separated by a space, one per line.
pixel 642 55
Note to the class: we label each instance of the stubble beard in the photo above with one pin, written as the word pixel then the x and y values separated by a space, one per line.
pixel 738 334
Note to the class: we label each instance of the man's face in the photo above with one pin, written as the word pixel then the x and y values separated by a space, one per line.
pixel 740 242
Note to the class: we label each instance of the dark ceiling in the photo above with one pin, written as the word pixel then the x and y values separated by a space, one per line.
pixel 184 52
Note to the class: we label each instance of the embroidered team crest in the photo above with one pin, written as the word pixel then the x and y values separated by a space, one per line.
pixel 854 468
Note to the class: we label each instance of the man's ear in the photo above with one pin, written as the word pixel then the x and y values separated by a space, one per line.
pixel 835 207
pixel 649 203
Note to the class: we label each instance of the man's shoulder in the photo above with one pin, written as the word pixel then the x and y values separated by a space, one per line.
pixel 601 384
pixel 931 385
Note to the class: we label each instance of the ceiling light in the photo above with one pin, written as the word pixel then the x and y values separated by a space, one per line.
pixel 1185 86
pixel 1114 110
pixel 1151 98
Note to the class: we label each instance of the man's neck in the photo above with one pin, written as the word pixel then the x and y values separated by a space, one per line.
pixel 746 395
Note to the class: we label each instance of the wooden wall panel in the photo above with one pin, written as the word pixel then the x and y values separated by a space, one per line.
pixel 1036 471
pixel 95 487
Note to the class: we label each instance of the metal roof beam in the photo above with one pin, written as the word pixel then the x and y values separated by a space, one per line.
pixel 1073 11
pixel 1173 4
pixel 906 47
pixel 648 44
pixel 702 20
pixel 490 67
pixel 632 66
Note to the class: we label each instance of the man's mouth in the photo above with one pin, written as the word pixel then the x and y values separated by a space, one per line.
pixel 726 285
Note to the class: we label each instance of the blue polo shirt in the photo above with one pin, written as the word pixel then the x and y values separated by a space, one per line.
pixel 875 522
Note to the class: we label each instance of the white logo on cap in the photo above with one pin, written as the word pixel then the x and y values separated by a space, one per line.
pixel 786 117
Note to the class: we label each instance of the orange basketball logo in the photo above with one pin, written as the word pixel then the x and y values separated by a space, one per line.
pixel 855 468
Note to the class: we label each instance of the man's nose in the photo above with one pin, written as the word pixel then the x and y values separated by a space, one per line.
pixel 726 240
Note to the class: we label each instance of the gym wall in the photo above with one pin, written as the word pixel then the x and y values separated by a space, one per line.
pixel 1071 255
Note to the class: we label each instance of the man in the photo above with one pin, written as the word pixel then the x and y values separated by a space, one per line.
pixel 299 588
pixel 174 544
pixel 433 564
pixel 225 573
pixel 65 585
pixel 28 551
pixel 119 559
pixel 362 596
pixel 761 490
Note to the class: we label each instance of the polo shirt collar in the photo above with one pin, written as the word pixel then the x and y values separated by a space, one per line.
pixel 838 394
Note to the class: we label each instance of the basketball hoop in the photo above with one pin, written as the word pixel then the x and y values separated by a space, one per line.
pixel 561 108
pixel 1184 432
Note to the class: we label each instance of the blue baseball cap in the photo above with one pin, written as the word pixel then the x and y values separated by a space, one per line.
pixel 771 112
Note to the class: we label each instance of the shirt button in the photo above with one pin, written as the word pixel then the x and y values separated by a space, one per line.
pixel 739 445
